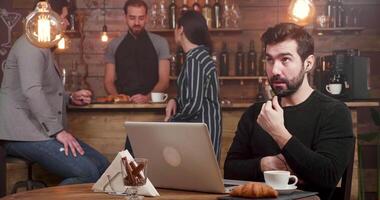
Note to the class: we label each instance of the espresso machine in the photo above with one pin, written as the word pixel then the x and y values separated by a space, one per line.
pixel 343 75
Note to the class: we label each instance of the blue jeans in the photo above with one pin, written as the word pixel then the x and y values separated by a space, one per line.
pixel 81 169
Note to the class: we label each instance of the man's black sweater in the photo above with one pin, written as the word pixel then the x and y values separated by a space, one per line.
pixel 317 153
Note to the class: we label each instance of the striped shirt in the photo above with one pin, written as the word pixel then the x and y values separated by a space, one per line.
pixel 198 94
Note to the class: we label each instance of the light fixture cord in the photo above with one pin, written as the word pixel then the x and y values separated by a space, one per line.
pixel 104 12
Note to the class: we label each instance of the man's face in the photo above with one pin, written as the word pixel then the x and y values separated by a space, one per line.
pixel 284 67
pixel 136 19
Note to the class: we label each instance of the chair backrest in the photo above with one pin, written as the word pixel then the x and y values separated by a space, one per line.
pixel 347 177
pixel 344 192
pixel 3 169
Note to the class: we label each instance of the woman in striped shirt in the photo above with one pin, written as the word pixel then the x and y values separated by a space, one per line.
pixel 198 86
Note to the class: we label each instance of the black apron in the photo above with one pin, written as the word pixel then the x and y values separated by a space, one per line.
pixel 136 63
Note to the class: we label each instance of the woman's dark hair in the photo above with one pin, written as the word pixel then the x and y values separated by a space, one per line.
pixel 285 31
pixel 195 28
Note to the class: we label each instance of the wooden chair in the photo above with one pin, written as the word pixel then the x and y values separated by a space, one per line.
pixel 344 192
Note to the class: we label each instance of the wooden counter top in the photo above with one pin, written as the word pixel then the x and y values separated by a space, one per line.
pixel 351 104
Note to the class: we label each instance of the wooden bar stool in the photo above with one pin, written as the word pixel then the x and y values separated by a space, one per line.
pixel 28 184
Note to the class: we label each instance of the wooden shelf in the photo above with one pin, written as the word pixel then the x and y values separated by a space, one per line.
pixel 166 30
pixel 340 30
pixel 73 34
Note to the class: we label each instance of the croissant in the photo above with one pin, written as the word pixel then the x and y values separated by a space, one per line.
pixel 254 190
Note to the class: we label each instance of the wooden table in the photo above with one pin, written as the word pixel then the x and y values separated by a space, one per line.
pixel 83 191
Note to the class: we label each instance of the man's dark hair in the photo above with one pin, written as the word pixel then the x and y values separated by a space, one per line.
pixel 195 28
pixel 285 31
pixel 56 5
pixel 135 3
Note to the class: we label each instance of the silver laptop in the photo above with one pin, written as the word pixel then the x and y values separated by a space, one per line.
pixel 180 156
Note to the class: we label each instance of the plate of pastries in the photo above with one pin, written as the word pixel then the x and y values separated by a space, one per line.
pixel 120 98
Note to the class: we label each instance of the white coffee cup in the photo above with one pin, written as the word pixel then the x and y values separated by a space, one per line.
pixel 334 88
pixel 279 179
pixel 158 97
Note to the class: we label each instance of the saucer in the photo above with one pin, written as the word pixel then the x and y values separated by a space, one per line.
pixel 286 190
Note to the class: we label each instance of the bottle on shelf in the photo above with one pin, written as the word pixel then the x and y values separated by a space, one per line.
pixel 172 14
pixel 251 59
pixel 260 96
pixel 207 13
pixel 333 14
pixel 196 6
pixel 224 60
pixel 72 16
pixel 173 65
pixel 239 61
pixel 261 69
pixel 180 60
pixel 184 7
pixel 217 15
pixel 340 14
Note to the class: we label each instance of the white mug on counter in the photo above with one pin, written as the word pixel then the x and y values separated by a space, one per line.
pixel 158 97
pixel 334 88
pixel 279 179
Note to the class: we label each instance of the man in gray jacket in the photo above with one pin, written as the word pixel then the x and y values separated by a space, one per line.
pixel 33 114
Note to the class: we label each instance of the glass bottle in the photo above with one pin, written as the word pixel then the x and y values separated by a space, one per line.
pixel 261 69
pixel 207 13
pixel 239 61
pixel 172 14
pixel 224 60
pixel 334 14
pixel 180 59
pixel 184 7
pixel 340 14
pixel 260 97
pixel 196 6
pixel 251 59
pixel 72 17
pixel 217 15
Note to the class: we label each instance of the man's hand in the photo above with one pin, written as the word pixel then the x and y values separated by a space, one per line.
pixel 140 98
pixel 69 141
pixel 276 162
pixel 81 97
pixel 171 109
pixel 271 119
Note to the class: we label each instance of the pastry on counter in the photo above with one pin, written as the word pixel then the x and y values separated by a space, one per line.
pixel 120 98
pixel 254 190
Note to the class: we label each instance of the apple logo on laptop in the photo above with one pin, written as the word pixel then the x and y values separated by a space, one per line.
pixel 172 156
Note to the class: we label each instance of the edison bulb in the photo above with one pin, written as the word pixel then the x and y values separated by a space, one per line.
pixel 104 37
pixel 302 11
pixel 43 26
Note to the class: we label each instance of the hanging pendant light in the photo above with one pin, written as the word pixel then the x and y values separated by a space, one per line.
pixel 43 26
pixel 104 36
pixel 301 12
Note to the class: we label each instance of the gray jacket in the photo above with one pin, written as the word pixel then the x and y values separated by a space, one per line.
pixel 32 97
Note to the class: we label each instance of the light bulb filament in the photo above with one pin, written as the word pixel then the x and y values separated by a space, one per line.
pixel 43 28
pixel 104 37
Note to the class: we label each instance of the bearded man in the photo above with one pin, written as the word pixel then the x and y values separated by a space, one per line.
pixel 137 62
pixel 300 129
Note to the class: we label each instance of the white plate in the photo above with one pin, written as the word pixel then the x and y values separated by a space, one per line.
pixel 286 190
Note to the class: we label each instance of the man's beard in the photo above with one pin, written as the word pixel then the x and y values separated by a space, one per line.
pixel 291 85
pixel 136 30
